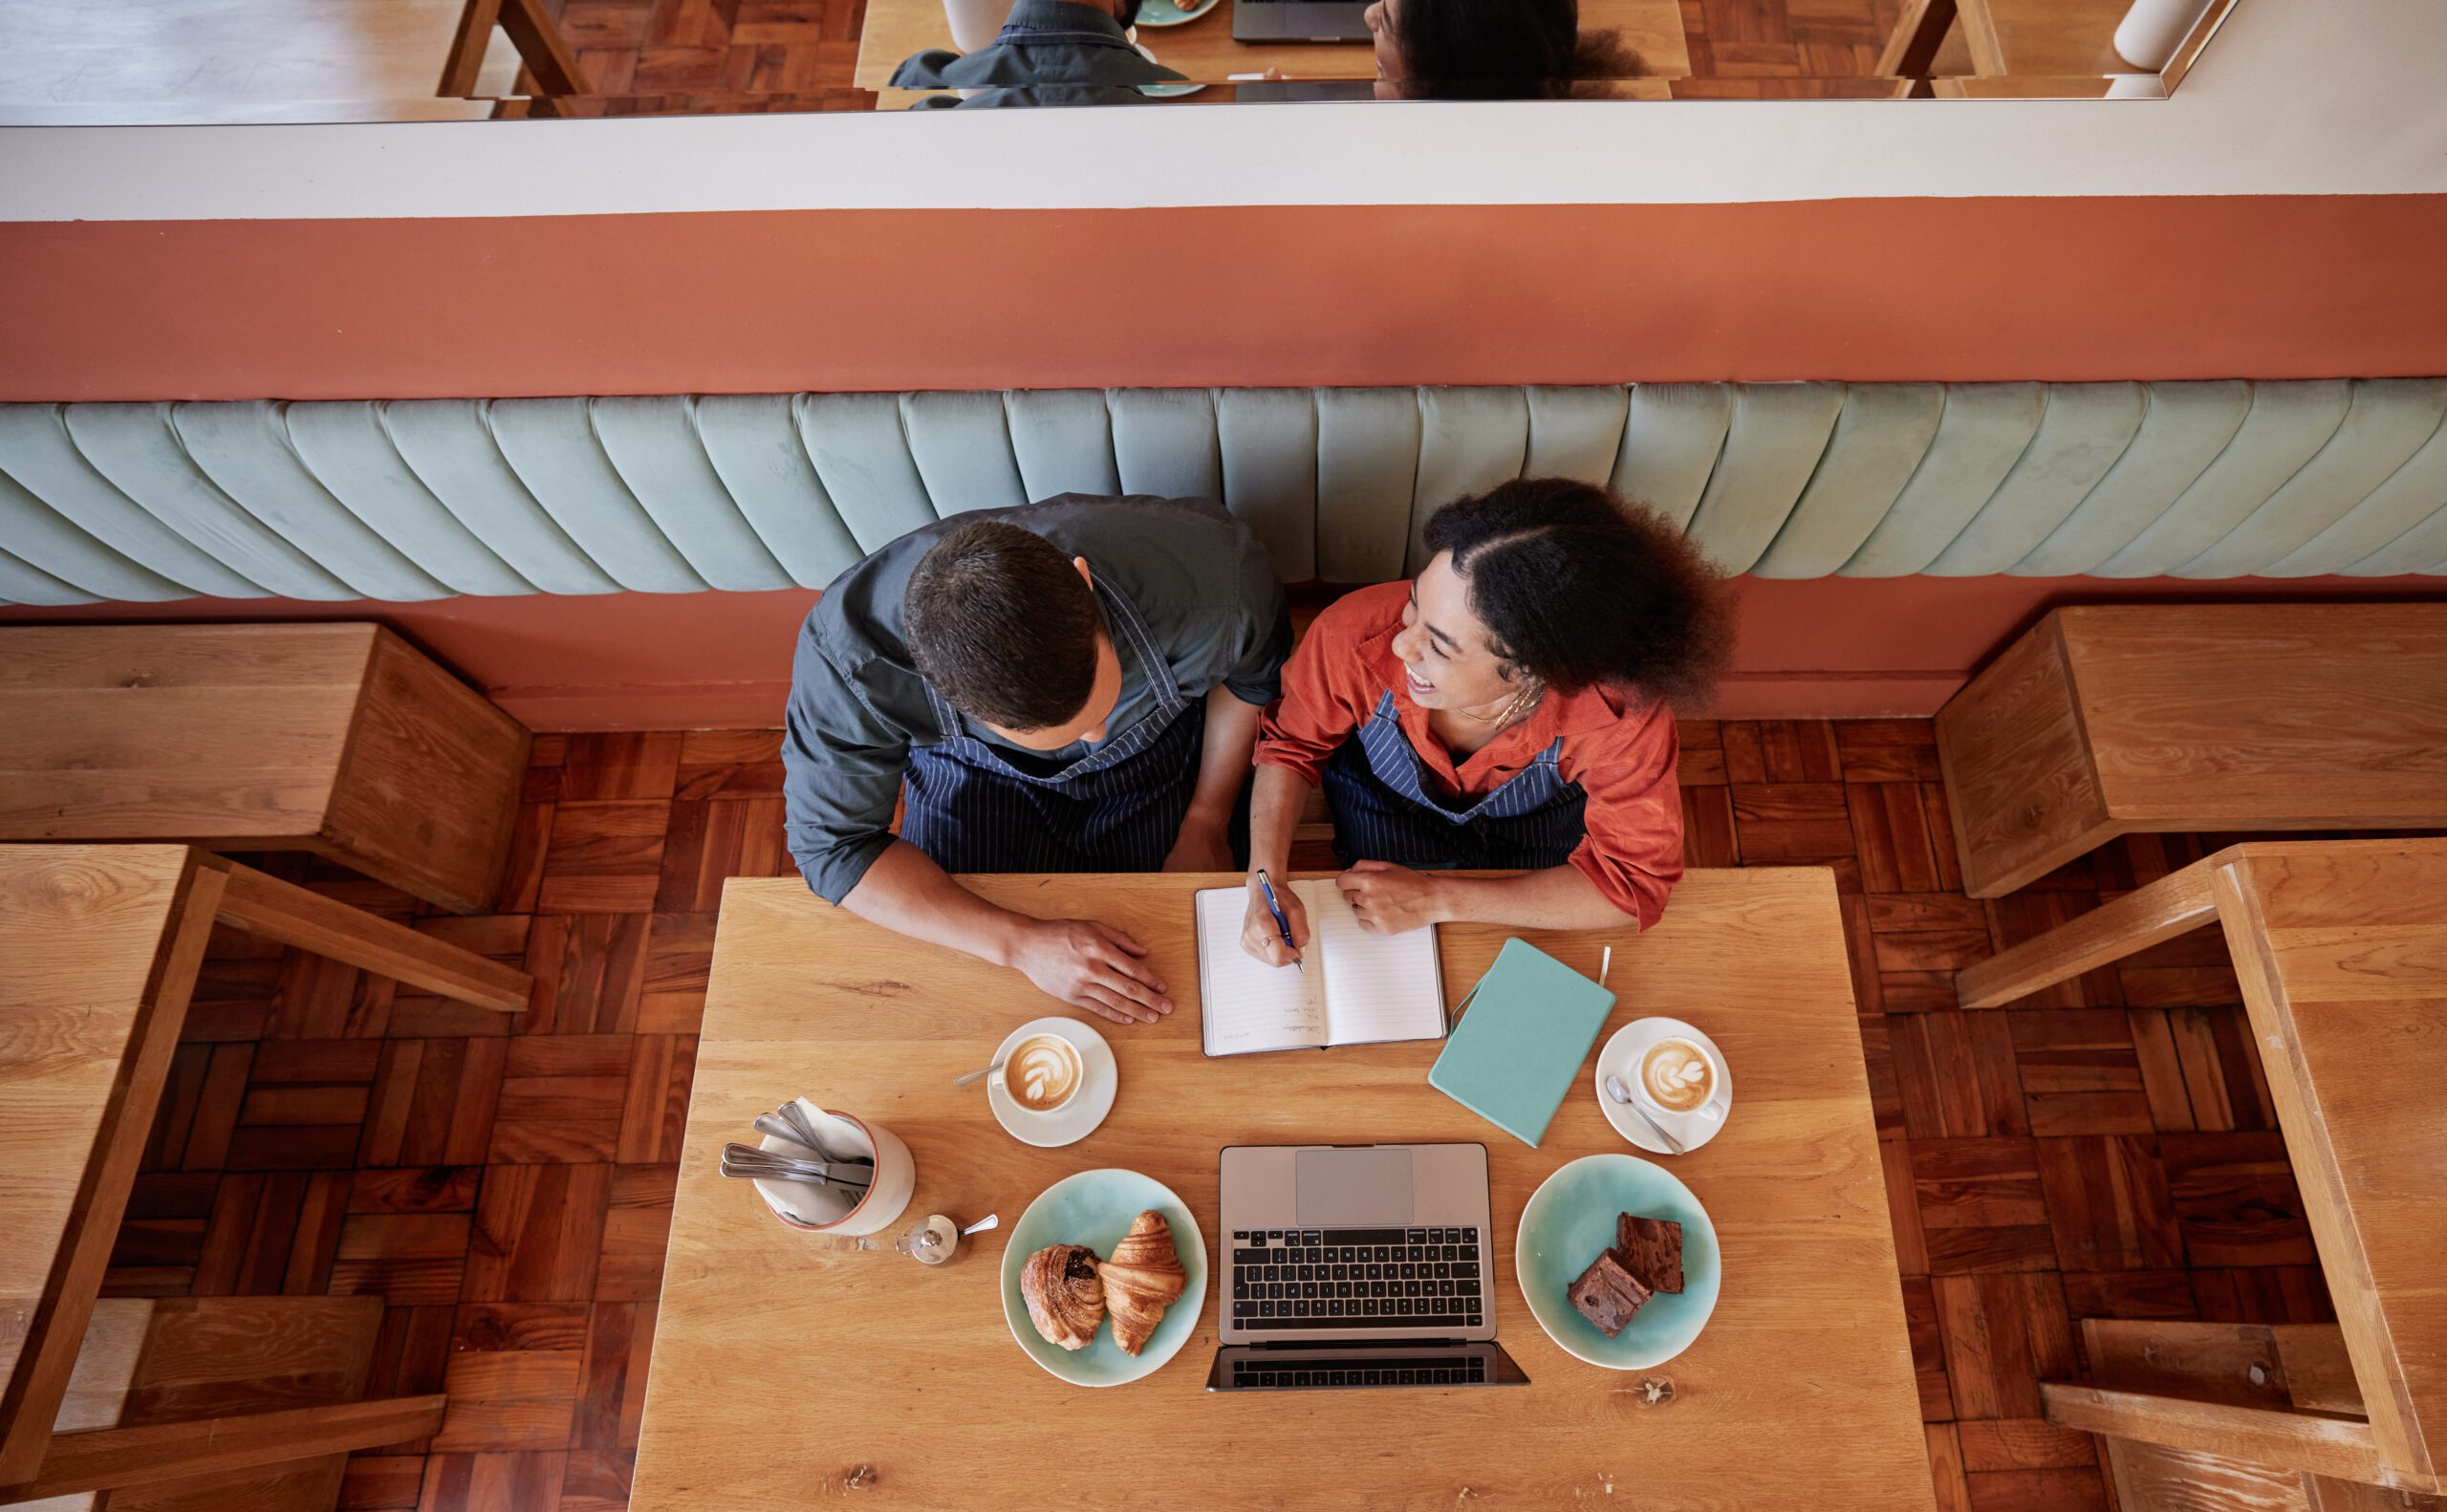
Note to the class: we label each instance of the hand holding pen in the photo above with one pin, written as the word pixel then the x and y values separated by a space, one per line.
pixel 1275 927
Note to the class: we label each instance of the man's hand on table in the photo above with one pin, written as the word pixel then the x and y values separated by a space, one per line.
pixel 1093 967
pixel 1390 900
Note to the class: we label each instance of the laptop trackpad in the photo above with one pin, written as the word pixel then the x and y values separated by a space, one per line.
pixel 1354 1188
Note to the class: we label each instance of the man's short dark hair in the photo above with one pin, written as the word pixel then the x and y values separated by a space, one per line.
pixel 1004 626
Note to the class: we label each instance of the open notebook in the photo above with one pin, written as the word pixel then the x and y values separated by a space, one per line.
pixel 1359 988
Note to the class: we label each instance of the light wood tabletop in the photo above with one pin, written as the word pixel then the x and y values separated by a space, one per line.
pixel 1203 49
pixel 100 946
pixel 788 1368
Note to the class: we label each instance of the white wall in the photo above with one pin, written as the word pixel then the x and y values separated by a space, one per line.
pixel 2293 97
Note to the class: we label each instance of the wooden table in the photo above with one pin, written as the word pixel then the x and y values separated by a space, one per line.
pixel 342 740
pixel 2340 948
pixel 2105 719
pixel 98 951
pixel 1203 49
pixel 788 1369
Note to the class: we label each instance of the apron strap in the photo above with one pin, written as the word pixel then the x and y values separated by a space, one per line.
pixel 1124 616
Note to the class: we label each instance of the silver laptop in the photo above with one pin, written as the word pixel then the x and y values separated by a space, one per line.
pixel 1299 21
pixel 1357 1266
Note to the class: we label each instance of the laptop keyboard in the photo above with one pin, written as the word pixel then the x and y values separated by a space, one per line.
pixel 1420 1280
pixel 1291 1375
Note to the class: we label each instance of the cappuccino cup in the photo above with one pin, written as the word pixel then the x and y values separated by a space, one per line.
pixel 1043 1074
pixel 1680 1077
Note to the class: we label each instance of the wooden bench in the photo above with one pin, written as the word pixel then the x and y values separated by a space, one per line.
pixel 100 946
pixel 2222 718
pixel 342 740
pixel 2341 951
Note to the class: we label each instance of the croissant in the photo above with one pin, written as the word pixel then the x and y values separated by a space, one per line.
pixel 1141 1279
pixel 1065 1297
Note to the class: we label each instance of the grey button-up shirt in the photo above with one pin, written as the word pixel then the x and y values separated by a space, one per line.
pixel 1042 42
pixel 1203 585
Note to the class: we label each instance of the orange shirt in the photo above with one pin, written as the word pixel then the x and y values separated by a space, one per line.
pixel 1620 751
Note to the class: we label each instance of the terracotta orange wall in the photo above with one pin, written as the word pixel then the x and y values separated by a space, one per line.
pixel 1816 646
pixel 1957 289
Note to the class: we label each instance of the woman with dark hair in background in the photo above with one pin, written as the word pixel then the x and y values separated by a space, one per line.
pixel 1491 50
pixel 1509 708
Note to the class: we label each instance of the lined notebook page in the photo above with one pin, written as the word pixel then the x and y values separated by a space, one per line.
pixel 1376 986
pixel 1243 1003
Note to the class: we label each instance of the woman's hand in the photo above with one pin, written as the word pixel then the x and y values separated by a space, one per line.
pixel 1093 967
pixel 1260 936
pixel 1391 900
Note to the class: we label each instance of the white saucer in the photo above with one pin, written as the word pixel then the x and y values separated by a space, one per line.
pixel 1622 1057
pixel 1076 1119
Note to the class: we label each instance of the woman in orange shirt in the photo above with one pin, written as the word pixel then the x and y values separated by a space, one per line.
pixel 1509 708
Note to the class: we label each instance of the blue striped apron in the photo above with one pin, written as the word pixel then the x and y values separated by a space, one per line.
pixel 1116 809
pixel 1385 807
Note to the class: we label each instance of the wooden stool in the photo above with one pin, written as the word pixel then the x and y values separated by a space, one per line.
pixel 2219 717
pixel 337 739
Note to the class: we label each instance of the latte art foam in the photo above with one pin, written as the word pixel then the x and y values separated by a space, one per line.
pixel 1675 1074
pixel 1042 1073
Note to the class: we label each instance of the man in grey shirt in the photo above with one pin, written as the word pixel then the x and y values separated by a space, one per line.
pixel 1066 686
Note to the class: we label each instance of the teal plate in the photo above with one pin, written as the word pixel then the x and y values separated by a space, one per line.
pixel 1164 13
pixel 1571 1218
pixel 1094 1208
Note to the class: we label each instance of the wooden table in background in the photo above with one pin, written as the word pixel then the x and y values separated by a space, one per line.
pixel 2341 950
pixel 100 946
pixel 788 1368
pixel 1203 49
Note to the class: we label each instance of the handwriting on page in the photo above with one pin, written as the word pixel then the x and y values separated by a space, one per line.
pixel 1376 986
pixel 1249 1004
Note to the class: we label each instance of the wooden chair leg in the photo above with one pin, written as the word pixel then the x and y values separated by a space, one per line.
pixel 2178 902
pixel 466 59
pixel 540 43
pixel 107 1459
pixel 1911 47
pixel 266 906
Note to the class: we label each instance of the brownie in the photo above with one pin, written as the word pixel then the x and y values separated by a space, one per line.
pixel 1651 1248
pixel 1607 1295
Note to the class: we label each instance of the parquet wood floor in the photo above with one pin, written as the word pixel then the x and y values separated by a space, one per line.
pixel 2105 1149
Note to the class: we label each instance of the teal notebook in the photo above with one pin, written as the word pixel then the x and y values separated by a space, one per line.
pixel 1518 1049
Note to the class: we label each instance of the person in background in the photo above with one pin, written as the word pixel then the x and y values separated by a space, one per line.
pixel 1508 708
pixel 1049 52
pixel 1491 50
pixel 1066 686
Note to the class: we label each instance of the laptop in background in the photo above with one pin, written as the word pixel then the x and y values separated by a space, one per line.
pixel 1299 21
pixel 1357 1266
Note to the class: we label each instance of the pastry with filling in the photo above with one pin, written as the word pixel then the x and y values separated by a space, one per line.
pixel 1066 1297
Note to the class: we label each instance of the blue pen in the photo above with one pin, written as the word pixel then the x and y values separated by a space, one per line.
pixel 1280 923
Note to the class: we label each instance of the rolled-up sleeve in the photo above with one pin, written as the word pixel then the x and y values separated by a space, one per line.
pixel 1633 850
pixel 842 767
pixel 1262 634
